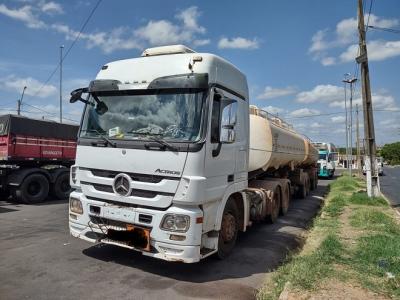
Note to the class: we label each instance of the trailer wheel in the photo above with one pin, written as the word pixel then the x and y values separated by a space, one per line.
pixel 308 184
pixel 229 230
pixel 301 192
pixel 34 189
pixel 276 206
pixel 61 188
pixel 285 201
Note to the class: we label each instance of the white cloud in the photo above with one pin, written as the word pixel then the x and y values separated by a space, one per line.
pixel 321 93
pixel 346 33
pixel 316 125
pixel 189 18
pixel 163 32
pixel 16 84
pixel 51 7
pixel 328 61
pixel 24 14
pixel 199 43
pixel 379 102
pixel 304 112
pixel 377 50
pixel 238 43
pixel 273 110
pixel 270 92
pixel 338 119
pixel 155 33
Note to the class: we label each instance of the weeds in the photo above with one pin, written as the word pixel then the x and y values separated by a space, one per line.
pixel 373 259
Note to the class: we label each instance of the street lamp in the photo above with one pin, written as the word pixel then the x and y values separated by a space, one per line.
pixel 19 102
pixel 346 75
pixel 351 81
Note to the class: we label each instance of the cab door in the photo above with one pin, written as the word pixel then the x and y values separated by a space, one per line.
pixel 223 163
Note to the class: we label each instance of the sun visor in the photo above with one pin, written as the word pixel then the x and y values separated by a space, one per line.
pixel 191 80
pixel 100 85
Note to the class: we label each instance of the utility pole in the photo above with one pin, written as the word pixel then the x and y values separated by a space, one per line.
pixel 347 128
pixel 351 82
pixel 358 143
pixel 373 189
pixel 61 61
pixel 19 102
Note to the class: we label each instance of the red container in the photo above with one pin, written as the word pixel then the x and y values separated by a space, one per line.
pixel 23 138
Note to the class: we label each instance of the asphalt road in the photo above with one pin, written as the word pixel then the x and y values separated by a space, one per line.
pixel 40 260
pixel 390 184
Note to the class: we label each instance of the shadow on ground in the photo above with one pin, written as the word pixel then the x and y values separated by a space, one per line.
pixel 262 248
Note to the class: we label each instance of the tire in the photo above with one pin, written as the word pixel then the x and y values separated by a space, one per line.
pixel 229 230
pixel 61 188
pixel 301 193
pixel 307 183
pixel 34 189
pixel 276 206
pixel 285 202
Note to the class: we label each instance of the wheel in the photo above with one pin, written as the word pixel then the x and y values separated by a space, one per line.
pixel 301 192
pixel 61 188
pixel 285 202
pixel 276 206
pixel 229 230
pixel 307 186
pixel 34 189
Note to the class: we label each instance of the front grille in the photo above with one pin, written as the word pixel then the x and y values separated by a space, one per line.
pixel 135 192
pixel 134 176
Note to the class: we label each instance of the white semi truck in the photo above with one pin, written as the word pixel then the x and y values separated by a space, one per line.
pixel 172 161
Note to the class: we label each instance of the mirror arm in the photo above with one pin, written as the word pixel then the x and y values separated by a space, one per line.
pixel 216 151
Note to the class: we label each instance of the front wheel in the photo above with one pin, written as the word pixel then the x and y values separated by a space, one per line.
pixel 229 230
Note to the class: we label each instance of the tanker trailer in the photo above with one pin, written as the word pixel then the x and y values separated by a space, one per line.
pixel 282 163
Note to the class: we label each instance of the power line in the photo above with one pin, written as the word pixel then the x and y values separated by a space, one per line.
pixel 70 47
pixel 385 29
pixel 369 14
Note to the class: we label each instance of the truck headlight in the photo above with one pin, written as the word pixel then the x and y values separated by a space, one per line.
pixel 75 206
pixel 176 223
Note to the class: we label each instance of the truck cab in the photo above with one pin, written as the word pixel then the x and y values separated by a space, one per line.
pixel 326 164
pixel 162 147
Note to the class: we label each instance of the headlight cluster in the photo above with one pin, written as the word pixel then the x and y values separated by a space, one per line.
pixel 176 223
pixel 75 206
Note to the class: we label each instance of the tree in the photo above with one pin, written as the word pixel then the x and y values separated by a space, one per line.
pixel 391 153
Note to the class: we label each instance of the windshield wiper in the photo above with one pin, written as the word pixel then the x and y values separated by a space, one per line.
pixel 161 142
pixel 103 137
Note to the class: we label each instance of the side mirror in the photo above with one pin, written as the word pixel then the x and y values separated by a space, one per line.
pixel 76 95
pixel 101 108
pixel 228 120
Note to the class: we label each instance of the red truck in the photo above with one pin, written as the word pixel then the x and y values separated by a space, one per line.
pixel 35 156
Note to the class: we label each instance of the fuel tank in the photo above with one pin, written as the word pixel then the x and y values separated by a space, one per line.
pixel 274 144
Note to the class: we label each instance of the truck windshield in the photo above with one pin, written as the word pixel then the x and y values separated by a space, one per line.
pixel 175 116
pixel 322 156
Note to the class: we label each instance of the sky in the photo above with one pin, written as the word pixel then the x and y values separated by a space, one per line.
pixel 295 54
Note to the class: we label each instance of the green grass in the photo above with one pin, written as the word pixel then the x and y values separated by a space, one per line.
pixel 374 220
pixel 363 199
pixel 336 205
pixel 366 259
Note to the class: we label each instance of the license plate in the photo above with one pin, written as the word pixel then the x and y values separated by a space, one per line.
pixel 119 214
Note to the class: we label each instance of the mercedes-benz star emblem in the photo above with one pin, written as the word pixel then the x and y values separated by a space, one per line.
pixel 122 185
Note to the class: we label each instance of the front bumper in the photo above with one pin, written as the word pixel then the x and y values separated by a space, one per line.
pixel 162 247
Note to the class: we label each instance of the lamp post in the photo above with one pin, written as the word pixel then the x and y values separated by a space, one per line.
pixel 61 61
pixel 19 102
pixel 347 127
pixel 351 82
